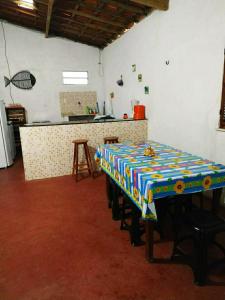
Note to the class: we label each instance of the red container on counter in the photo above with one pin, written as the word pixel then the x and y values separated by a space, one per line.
pixel 139 112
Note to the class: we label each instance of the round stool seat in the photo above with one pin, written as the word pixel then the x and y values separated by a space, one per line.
pixel 111 139
pixel 81 141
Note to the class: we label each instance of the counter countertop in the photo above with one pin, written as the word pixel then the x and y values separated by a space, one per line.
pixel 77 122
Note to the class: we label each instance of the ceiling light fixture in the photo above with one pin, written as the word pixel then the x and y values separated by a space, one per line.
pixel 28 4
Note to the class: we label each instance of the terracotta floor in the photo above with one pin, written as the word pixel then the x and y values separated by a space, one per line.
pixel 57 241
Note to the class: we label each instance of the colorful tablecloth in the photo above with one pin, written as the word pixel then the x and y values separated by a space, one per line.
pixel 169 172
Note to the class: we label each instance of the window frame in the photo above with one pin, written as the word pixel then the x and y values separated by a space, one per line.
pixel 75 77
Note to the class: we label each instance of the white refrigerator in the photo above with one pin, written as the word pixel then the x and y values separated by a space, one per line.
pixel 7 144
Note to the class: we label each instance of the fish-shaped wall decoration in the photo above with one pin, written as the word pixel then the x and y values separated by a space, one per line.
pixel 22 80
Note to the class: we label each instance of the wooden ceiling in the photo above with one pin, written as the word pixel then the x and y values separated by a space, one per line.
pixel 92 22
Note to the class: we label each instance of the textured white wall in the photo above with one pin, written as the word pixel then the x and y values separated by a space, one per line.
pixel 45 59
pixel 184 100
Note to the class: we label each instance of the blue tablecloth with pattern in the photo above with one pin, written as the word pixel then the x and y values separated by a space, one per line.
pixel 170 172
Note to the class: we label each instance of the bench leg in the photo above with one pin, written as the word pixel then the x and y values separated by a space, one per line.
pixel 149 244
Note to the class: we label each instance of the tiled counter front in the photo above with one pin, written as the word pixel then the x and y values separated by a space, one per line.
pixel 48 150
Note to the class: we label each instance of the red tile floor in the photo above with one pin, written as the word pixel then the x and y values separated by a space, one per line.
pixel 58 241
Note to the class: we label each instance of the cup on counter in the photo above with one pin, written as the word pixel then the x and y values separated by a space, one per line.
pixel 125 116
pixel 139 112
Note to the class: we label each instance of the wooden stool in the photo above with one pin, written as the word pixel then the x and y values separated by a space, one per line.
pixel 201 226
pixel 111 140
pixel 76 165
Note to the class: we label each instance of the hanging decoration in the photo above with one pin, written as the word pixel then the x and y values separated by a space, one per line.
pixel 120 81
pixel 133 68
pixel 146 90
pixel 140 77
pixel 22 80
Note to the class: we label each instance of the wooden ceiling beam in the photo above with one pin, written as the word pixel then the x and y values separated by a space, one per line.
pixel 17 12
pixel 96 12
pixel 76 8
pixel 95 22
pixel 93 26
pixel 78 28
pixel 128 7
pixel 17 9
pixel 116 15
pixel 12 18
pixel 77 32
pixel 49 16
pixel 157 4
pixel 41 2
pixel 98 19
pixel 80 40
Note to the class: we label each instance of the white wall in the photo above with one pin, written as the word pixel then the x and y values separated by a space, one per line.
pixel 45 59
pixel 184 100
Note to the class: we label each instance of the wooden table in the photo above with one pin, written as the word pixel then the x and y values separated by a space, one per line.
pixel 145 179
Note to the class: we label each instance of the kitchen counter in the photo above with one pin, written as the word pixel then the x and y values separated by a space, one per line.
pixel 47 148
pixel 77 122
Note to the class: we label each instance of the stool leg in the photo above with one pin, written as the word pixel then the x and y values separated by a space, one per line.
pixel 216 200
pixel 76 162
pixel 200 261
pixel 88 158
pixel 74 157
pixel 108 191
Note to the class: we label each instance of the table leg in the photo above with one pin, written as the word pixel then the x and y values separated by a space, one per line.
pixel 149 243
pixel 108 191
pixel 135 231
pixel 216 199
pixel 114 192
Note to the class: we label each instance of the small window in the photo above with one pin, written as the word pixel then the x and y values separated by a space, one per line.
pixel 222 109
pixel 75 77
pixel 28 4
